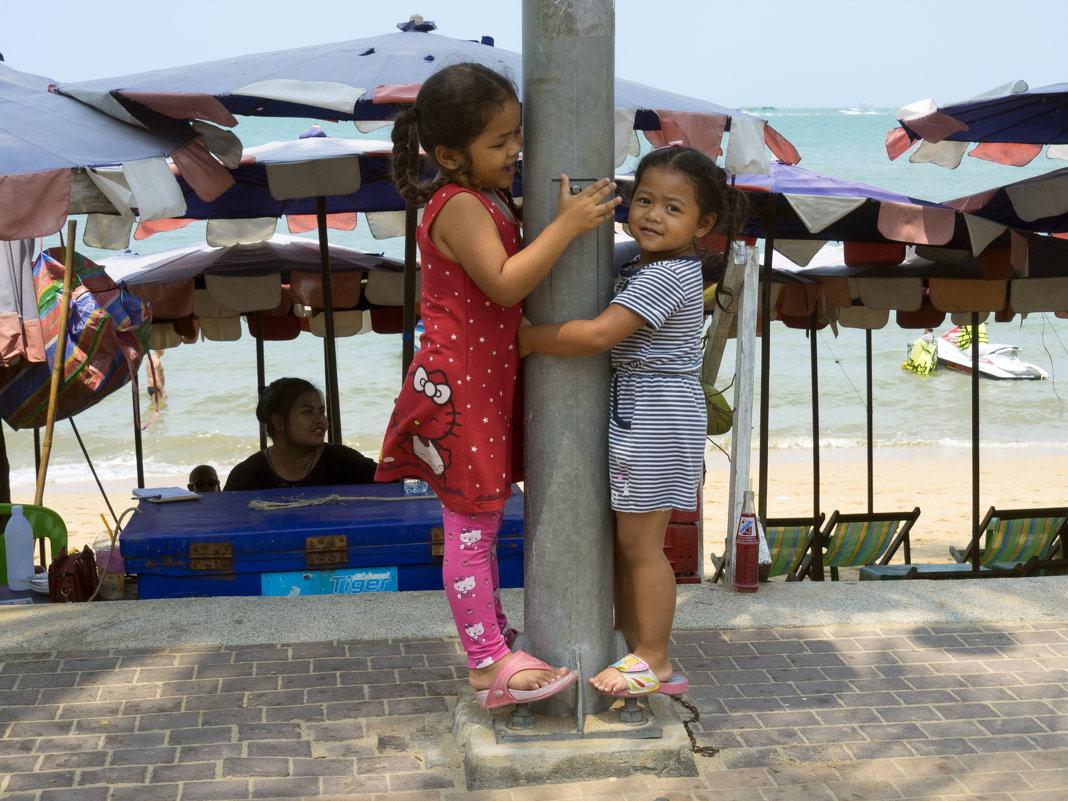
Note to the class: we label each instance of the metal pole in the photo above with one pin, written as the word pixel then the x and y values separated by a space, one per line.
pixel 765 359
pixel 333 399
pixel 139 448
pixel 817 554
pixel 568 58
pixel 975 427
pixel 871 429
pixel 261 374
pixel 408 310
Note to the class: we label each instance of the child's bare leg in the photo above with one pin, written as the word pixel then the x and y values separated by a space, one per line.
pixel 649 595
pixel 626 621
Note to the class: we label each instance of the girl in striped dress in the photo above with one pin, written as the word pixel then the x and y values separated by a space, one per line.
pixel 656 433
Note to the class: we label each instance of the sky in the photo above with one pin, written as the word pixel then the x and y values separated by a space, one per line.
pixel 781 53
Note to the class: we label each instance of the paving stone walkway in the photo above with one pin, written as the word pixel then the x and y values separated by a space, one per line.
pixel 938 712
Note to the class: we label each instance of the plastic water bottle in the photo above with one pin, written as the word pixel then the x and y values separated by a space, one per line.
pixel 18 549
pixel 746 547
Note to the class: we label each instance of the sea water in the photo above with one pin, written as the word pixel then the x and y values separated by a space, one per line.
pixel 209 413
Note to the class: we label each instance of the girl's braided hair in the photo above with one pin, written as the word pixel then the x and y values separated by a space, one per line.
pixel 451 109
pixel 714 196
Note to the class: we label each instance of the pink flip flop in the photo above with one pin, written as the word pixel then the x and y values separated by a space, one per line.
pixel 676 685
pixel 499 694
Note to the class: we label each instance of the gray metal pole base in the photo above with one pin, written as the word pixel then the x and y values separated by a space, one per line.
pixel 500 751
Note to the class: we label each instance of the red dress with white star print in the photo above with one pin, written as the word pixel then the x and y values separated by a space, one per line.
pixel 452 424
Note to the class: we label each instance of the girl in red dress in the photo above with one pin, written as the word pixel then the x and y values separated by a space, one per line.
pixel 452 422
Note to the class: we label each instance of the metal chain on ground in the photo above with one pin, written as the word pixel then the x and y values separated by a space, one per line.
pixel 703 750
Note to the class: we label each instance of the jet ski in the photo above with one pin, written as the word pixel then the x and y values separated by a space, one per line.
pixel 953 350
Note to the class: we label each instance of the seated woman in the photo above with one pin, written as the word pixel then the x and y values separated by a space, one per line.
pixel 294 412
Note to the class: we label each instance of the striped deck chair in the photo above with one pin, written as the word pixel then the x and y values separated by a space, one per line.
pixel 1016 536
pixel 788 541
pixel 852 540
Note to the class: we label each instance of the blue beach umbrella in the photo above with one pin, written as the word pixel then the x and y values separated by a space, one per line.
pixel 1038 204
pixel 370 80
pixel 48 144
pixel 1011 125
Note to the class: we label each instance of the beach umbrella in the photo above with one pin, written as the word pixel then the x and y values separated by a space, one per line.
pixel 1009 124
pixel 1038 204
pixel 49 145
pixel 275 256
pixel 316 181
pixel 353 175
pixel 370 80
pixel 247 279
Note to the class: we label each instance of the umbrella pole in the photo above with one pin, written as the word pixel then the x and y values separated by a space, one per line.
pixel 871 434
pixel 817 553
pixel 138 447
pixel 975 441
pixel 333 400
pixel 261 374
pixel 57 363
pixel 408 319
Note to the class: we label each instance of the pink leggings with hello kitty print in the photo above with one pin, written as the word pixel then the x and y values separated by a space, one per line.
pixel 472 584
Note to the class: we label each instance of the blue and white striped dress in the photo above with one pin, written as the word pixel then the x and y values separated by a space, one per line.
pixel 656 431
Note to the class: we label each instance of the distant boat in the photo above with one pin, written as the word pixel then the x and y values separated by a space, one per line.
pixel 865 109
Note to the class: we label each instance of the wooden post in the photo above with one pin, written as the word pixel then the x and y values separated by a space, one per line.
pixel 57 365
pixel 719 328
pixel 742 430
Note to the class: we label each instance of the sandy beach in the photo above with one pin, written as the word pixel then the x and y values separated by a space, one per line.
pixel 938 482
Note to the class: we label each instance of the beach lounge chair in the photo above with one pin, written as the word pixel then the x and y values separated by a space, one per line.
pixel 853 540
pixel 788 540
pixel 46 524
pixel 1013 537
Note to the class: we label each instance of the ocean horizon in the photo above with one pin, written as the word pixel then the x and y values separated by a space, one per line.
pixel 208 416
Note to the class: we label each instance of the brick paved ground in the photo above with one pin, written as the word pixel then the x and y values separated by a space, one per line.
pixel 893 712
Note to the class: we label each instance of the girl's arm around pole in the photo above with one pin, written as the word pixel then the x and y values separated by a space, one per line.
pixel 580 337
pixel 465 233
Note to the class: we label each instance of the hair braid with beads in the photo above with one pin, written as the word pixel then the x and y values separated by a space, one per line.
pixel 452 108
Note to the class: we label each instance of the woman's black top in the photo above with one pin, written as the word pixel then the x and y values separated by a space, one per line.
pixel 338 464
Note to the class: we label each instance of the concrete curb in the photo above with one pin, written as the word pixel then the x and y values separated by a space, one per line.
pixel 379 616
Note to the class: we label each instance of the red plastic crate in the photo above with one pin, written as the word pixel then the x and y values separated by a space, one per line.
pixel 690 578
pixel 682 516
pixel 680 545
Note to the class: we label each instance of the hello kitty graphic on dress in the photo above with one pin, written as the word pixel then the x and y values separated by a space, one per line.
pixel 422 435
pixel 469 537
pixel 476 631
pixel 464 586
